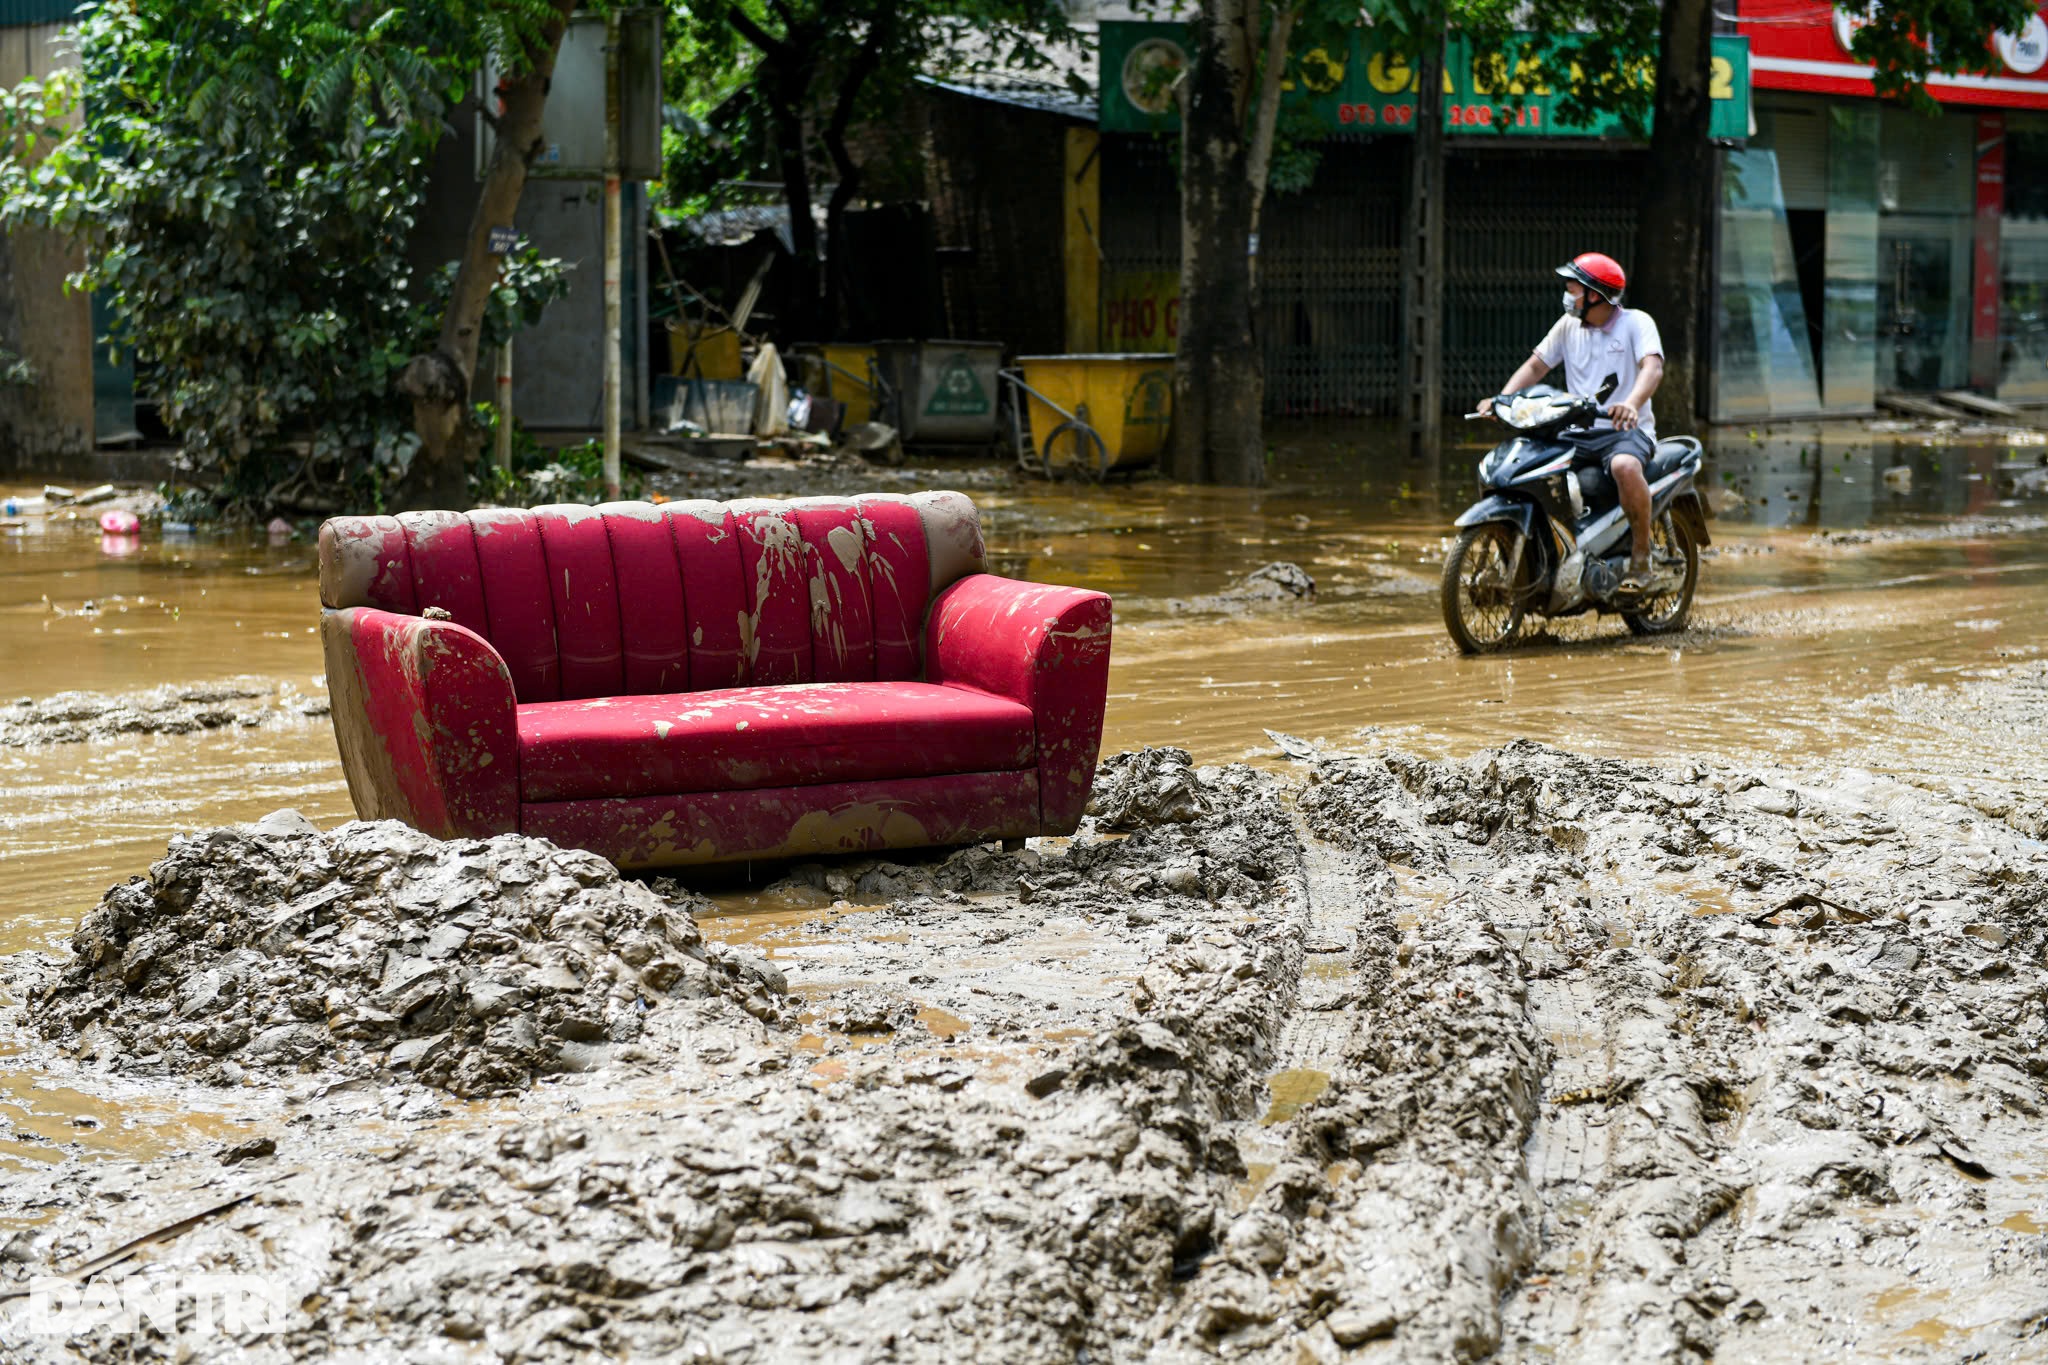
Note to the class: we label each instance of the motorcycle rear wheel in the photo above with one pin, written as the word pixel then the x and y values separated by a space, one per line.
pixel 1669 541
pixel 1480 611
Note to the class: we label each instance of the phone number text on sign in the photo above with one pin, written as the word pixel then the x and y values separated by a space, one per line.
pixel 1392 115
pixel 1455 115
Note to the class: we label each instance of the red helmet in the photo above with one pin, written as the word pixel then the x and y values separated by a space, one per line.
pixel 1601 274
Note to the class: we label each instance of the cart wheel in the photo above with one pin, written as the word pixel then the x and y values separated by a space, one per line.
pixel 1076 447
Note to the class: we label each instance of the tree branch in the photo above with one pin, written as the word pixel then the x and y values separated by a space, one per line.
pixel 864 64
pixel 1267 117
pixel 771 46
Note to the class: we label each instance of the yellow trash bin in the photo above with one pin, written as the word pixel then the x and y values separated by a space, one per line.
pixel 850 381
pixel 700 351
pixel 1125 400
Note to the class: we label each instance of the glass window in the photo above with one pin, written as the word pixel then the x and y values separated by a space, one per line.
pixel 1765 365
pixel 2023 260
pixel 1926 191
pixel 1849 313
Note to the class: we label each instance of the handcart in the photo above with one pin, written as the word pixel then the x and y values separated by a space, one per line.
pixel 1089 416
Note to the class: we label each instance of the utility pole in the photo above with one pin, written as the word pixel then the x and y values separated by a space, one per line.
pixel 504 443
pixel 612 254
pixel 1422 276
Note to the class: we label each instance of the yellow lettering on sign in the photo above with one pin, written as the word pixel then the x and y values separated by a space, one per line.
pixel 1389 74
pixel 1320 71
pixel 1490 75
pixel 1721 85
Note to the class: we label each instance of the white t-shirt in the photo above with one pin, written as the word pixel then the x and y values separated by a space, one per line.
pixel 1591 354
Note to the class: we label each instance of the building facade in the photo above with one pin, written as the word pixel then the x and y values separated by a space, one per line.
pixel 1866 247
pixel 1524 191
pixel 77 395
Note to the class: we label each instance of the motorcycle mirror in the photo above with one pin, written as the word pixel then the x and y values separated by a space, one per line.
pixel 1607 388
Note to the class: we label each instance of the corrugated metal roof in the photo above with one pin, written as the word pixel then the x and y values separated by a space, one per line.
pixel 24 13
pixel 1040 97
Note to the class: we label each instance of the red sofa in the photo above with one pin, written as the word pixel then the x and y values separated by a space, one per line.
pixel 699 682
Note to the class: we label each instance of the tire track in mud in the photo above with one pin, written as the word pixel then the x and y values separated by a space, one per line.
pixel 1789 1099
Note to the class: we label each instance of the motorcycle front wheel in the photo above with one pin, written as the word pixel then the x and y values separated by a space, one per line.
pixel 1481 611
pixel 1670 543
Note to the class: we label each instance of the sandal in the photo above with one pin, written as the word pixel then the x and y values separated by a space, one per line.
pixel 1636 581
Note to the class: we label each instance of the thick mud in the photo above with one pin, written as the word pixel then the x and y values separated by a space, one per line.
pixel 1705 1030
pixel 475 966
pixel 173 709
pixel 1531 1055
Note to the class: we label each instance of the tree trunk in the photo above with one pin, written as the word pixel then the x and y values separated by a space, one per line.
pixel 864 65
pixel 1671 232
pixel 1422 256
pixel 1265 121
pixel 790 87
pixel 439 382
pixel 1218 381
pixel 788 67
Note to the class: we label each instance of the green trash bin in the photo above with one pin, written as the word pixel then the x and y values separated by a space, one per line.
pixel 940 392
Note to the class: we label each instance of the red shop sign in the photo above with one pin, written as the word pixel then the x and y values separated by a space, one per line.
pixel 1804 45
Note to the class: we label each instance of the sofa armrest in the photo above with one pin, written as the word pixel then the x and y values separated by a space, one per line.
pixel 1045 647
pixel 426 720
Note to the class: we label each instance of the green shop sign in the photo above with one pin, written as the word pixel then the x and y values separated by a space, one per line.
pixel 1369 90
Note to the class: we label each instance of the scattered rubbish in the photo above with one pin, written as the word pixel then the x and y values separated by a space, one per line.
pixel 1299 749
pixel 1899 478
pixel 874 440
pixel 719 406
pixel 771 388
pixel 120 523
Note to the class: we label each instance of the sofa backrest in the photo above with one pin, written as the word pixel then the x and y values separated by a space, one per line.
pixel 635 597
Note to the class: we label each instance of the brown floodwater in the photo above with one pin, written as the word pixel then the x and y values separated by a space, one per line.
pixel 1789 628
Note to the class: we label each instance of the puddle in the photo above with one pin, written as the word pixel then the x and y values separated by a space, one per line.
pixel 1708 898
pixel 1291 1090
pixel 41 1122
pixel 943 1024
pixel 775 931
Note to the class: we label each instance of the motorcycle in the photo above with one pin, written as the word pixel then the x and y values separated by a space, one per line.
pixel 1549 536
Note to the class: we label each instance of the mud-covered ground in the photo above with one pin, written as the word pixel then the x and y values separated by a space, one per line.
pixel 1365 1056
pixel 171 709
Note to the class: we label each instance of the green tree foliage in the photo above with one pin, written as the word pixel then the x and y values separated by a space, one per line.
pixel 245 178
pixel 772 89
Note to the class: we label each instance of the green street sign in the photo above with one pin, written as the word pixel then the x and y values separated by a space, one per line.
pixel 1367 90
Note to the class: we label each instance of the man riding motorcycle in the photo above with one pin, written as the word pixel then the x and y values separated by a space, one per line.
pixel 1607 349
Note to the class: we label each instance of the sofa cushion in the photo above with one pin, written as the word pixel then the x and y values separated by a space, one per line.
pixel 748 738
pixel 636 598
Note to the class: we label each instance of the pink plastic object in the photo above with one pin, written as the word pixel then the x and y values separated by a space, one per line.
pixel 120 523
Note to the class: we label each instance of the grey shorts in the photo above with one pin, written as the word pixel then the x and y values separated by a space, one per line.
pixel 1605 445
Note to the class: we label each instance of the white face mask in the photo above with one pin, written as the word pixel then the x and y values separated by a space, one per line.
pixel 1571 305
